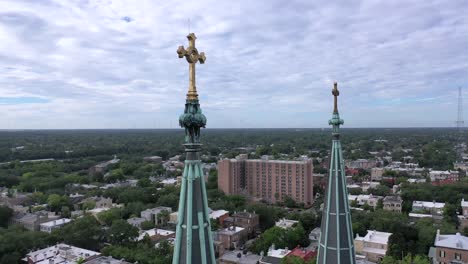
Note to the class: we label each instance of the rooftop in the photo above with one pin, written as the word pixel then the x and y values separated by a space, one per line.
pixel 154 232
pixel 231 230
pixel 237 256
pixel 456 241
pixel 60 253
pixel 218 213
pixel 428 204
pixel 285 223
pixel 375 237
pixel 56 222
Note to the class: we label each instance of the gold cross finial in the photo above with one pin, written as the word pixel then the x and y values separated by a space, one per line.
pixel 335 93
pixel 192 56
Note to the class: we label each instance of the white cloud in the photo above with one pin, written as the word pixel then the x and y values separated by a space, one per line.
pixel 269 63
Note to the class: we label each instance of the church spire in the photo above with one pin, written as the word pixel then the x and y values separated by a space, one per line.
pixel 194 241
pixel 336 239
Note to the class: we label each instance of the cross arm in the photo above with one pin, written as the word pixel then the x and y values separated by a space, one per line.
pixel 181 51
pixel 202 58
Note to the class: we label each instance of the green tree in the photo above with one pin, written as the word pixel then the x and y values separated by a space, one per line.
pixel 5 214
pixel 109 216
pixel 84 232
pixel 147 225
pixel 88 204
pixel 121 232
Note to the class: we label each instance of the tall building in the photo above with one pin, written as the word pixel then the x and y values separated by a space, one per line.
pixel 270 180
pixel 336 239
pixel 194 240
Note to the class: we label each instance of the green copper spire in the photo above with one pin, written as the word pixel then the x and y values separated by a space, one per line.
pixel 194 241
pixel 336 239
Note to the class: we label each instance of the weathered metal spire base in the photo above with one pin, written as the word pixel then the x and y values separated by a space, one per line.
pixel 194 241
pixel 336 239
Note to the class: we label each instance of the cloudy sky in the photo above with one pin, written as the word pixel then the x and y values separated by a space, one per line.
pixel 113 64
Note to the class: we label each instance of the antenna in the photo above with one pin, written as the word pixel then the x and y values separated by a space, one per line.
pixel 460 147
pixel 460 121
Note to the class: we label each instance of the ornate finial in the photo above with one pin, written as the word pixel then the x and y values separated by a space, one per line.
pixel 335 93
pixel 192 119
pixel 335 121
pixel 192 56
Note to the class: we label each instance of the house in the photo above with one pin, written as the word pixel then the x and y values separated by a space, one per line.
pixel 373 246
pixel 450 249
pixel 376 174
pixel 363 199
pixel 60 253
pixel 99 202
pixel 365 186
pixel 136 221
pixel 219 215
pixel 392 203
pixel 247 220
pixel 54 224
pixel 157 235
pixel 428 207
pixel 443 177
pixel 32 221
pixel 463 218
pixel 153 215
pixel 232 237
pixel 286 223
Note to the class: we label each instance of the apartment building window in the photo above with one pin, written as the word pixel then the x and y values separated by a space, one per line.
pixel 457 256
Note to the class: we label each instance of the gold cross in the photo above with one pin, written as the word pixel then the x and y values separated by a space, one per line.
pixel 192 56
pixel 335 93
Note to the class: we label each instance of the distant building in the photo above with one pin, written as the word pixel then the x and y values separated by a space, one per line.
pixel 270 180
pixel 274 256
pixel 219 215
pixel 302 253
pixel 136 221
pixel 373 246
pixel 247 220
pixel 443 177
pixel 286 223
pixel 33 221
pixel 153 214
pixel 54 224
pixel 463 218
pixel 237 256
pixel 363 199
pixel 450 249
pixel 60 253
pixel 392 203
pixel 100 202
pixel 102 167
pixel 428 207
pixel 361 164
pixel 157 235
pixel 153 159
pixel 232 237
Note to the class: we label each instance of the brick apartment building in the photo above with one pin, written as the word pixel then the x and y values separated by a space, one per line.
pixel 270 180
